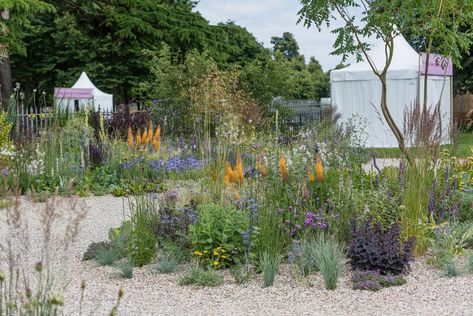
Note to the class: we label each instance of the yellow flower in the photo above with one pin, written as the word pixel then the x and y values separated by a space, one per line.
pixel 224 257
pixel 215 253
pixel 198 253
pixel 205 251
pixel 222 250
pixel 216 263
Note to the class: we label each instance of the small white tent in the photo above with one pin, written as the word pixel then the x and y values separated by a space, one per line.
pixel 356 90
pixel 83 93
pixel 101 99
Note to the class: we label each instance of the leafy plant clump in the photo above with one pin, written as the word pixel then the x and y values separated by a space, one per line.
pixel 373 249
pixel 200 276
pixel 217 236
pixel 373 281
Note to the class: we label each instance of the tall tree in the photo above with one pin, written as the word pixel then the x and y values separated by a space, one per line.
pixel 106 38
pixel 386 19
pixel 14 20
pixel 286 44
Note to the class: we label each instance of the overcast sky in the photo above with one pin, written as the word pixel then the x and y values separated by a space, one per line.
pixel 267 18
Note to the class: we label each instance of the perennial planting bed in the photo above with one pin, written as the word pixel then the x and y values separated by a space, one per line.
pixel 427 292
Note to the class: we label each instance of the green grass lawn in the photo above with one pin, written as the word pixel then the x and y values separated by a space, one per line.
pixel 462 148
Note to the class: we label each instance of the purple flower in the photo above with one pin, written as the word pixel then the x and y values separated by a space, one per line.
pixel 5 172
pixel 181 164
pixel 157 165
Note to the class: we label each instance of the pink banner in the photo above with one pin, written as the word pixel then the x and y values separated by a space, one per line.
pixel 71 93
pixel 438 65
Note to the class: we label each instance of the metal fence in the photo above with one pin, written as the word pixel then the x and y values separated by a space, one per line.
pixel 296 113
pixel 29 122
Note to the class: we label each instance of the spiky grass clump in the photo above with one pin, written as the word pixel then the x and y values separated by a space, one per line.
pixel 270 266
pixel 199 276
pixel 106 256
pixel 241 274
pixel 166 264
pixel 328 259
pixel 451 270
pixel 126 270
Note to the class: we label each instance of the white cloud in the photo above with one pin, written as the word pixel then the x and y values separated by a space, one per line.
pixel 267 18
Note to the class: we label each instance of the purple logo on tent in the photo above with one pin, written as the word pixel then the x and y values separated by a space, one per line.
pixel 72 93
pixel 438 65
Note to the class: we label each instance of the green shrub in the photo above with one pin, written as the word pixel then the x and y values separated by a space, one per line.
pixel 106 256
pixel 126 270
pixel 199 276
pixel 166 264
pixel 140 238
pixel 270 266
pixel 75 134
pixel 217 237
pixel 328 259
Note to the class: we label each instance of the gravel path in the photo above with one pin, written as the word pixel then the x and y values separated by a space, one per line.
pixel 151 293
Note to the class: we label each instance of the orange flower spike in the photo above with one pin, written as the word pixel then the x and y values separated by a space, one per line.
pixel 319 170
pixel 150 131
pixel 283 168
pixel 145 135
pixel 259 165
pixel 226 177
pixel 231 174
pixel 138 138
pixel 158 131
pixel 239 169
pixel 130 137
pixel 264 172
pixel 310 175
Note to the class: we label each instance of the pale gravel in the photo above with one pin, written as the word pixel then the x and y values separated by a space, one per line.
pixel 151 293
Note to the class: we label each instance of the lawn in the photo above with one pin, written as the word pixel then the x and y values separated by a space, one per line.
pixel 461 149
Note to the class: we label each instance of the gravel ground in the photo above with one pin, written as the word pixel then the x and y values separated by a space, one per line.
pixel 151 293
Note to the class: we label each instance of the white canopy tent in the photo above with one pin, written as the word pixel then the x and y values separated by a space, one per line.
pixel 99 98
pixel 356 90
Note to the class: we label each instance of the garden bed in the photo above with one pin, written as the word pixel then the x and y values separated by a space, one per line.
pixel 151 293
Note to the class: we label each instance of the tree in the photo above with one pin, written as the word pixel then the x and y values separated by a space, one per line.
pixel 286 44
pixel 107 39
pixel 14 19
pixel 386 19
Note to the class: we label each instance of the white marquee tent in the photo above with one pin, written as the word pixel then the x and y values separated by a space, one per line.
pixel 356 90
pixel 99 98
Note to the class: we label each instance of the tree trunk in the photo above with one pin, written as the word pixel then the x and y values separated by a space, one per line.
pixel 5 80
pixel 390 120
